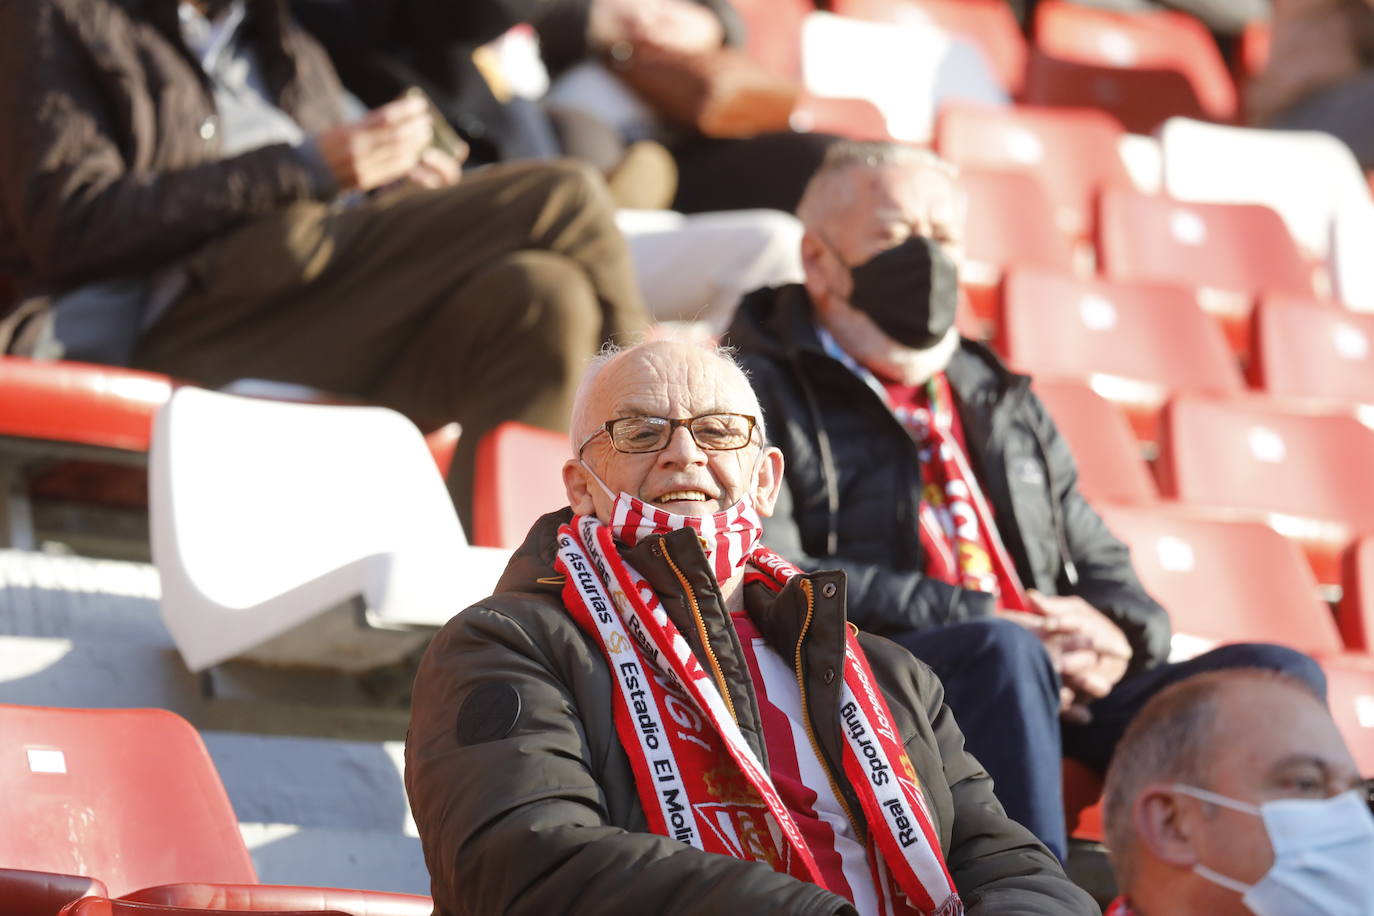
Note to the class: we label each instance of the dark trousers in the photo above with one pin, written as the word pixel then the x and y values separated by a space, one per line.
pixel 478 303
pixel 1004 694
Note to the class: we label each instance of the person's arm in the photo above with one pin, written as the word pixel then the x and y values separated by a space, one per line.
pixel 517 823
pixel 879 599
pixel 79 210
pixel 1106 579
pixel 997 865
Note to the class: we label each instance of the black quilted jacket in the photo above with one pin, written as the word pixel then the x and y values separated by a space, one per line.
pixel 853 484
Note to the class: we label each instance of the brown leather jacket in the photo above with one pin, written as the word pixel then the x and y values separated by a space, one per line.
pixel 109 146
pixel 526 803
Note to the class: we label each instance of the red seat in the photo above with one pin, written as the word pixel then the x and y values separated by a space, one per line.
pixel 1110 467
pixel 1350 694
pixel 1252 53
pixel 518 477
pixel 1225 581
pixel 1114 53
pixel 988 24
pixel 103 906
pixel 258 898
pixel 1082 801
pixel 129 796
pixel 42 893
pixel 1231 253
pixel 1307 473
pixel 1135 344
pixel 1355 613
pixel 79 403
pixel 1010 224
pixel 1306 349
pixel 1071 152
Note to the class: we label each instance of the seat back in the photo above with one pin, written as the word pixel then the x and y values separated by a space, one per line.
pixel 1355 613
pixel 1225 581
pixel 1110 468
pixel 1071 152
pixel 129 796
pixel 1156 40
pixel 910 71
pixel 1352 270
pixel 274 897
pixel 1010 223
pixel 1136 344
pixel 1256 455
pixel 43 893
pixel 1139 99
pixel 1238 247
pixel 325 504
pixel 1309 350
pixel 989 24
pixel 78 402
pixel 1215 163
pixel 102 906
pixel 518 478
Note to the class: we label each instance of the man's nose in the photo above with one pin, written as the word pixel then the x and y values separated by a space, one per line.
pixel 682 450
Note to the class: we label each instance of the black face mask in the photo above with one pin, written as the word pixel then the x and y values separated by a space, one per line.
pixel 911 292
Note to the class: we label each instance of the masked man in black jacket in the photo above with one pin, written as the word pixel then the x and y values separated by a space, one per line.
pixel 930 473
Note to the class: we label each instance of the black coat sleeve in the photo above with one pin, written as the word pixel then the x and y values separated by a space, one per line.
pixel 1106 579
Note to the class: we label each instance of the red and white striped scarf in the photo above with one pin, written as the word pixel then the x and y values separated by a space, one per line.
pixel 698 780
pixel 727 536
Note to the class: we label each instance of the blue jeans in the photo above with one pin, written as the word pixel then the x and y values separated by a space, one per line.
pixel 1004 693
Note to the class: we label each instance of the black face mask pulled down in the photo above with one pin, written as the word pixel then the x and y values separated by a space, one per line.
pixel 911 292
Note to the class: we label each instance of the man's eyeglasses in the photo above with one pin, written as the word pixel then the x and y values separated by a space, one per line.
pixel 718 432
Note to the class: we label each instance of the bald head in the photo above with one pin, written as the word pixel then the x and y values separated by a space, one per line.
pixel 617 373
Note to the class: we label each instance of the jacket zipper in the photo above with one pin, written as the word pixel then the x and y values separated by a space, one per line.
pixel 806 587
pixel 701 631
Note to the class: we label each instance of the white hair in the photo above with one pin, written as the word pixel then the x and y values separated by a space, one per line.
pixel 824 192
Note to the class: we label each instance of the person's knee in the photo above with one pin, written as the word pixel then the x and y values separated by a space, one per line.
pixel 1009 650
pixel 573 181
pixel 548 304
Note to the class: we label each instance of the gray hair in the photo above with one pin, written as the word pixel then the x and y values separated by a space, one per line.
pixel 823 189
pixel 1170 740
pixel 610 351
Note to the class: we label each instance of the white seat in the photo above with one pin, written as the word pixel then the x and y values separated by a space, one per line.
pixel 1352 266
pixel 303 533
pixel 908 71
pixel 1307 176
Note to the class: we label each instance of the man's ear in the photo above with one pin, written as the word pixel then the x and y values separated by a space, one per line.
pixel 770 481
pixel 578 483
pixel 814 254
pixel 1165 827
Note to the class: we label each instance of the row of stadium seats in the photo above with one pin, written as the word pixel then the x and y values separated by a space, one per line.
pixel 127 804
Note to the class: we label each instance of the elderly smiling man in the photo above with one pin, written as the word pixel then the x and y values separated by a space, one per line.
pixel 655 714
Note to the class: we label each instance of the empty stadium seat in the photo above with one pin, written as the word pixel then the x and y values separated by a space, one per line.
pixel 1136 345
pixel 1304 176
pixel 326 506
pixel 1306 349
pixel 1350 694
pixel 1110 467
pixel 518 478
pixel 1138 65
pixel 43 893
pixel 1073 153
pixel 259 897
pixel 1010 224
pixel 909 71
pixel 1306 473
pixel 1355 613
pixel 1230 253
pixel 102 906
pixel 989 24
pixel 128 796
pixel 1225 581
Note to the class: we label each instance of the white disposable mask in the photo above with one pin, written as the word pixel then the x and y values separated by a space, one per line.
pixel 728 536
pixel 1323 855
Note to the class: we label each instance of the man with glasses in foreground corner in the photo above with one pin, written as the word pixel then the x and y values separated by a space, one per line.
pixel 657 714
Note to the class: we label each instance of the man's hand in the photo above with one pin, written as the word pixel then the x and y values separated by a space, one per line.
pixel 436 169
pixel 1089 652
pixel 386 144
pixel 677 25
